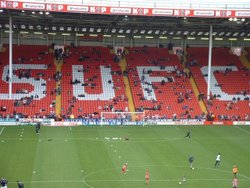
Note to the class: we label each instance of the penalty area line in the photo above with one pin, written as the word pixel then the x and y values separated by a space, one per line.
pixel 242 129
pixel 1 131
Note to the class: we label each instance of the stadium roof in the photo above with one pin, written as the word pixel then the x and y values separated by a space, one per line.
pixel 36 17
pixel 122 24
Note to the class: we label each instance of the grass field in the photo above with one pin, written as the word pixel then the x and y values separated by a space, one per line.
pixel 83 157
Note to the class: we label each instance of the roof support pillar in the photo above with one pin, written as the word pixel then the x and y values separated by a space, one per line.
pixel 10 56
pixel 209 60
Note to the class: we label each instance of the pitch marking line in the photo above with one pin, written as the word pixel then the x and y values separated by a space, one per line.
pixel 243 129
pixel 176 128
pixel 113 180
pixel 165 180
pixel 1 131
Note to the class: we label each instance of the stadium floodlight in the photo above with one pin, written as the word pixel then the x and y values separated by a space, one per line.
pixel 228 34
pixel 150 31
pixel 128 31
pixel 84 29
pixel 207 33
pixel 135 31
pixel 178 33
pixel 185 33
pixel 200 33
pixel 221 33
pixel 113 30
pixel 7 26
pixel 230 19
pixel 236 34
pixel 1 10
pixel 214 33
pixel 38 27
pixel 171 33
pixel 53 28
pixel 164 32
pixel 242 19
pixel 193 33
pixel 157 32
pixel 91 29
pixel 61 28
pixel 242 34
pixel 122 118
pixel 47 13
pixel 99 30
pixel 31 27
pixel 142 31
pixel 69 29
pixel 120 31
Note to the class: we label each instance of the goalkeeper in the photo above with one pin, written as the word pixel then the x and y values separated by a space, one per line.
pixel 191 160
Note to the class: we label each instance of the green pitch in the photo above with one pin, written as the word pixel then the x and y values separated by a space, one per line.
pixel 92 157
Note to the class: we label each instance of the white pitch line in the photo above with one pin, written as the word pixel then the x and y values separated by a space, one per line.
pixel 70 128
pixel 124 180
pixel 176 128
pixel 242 129
pixel 1 131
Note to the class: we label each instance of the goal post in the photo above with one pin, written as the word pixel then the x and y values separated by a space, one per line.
pixel 122 118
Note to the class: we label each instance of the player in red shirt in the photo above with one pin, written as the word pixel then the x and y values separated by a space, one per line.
pixel 147 177
pixel 124 168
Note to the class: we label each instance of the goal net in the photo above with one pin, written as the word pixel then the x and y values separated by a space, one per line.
pixel 122 118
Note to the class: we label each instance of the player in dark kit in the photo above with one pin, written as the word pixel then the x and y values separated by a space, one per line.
pixel 38 127
pixel 188 134
pixel 191 160
pixel 20 184
pixel 3 182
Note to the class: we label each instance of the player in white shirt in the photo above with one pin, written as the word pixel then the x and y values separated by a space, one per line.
pixel 217 160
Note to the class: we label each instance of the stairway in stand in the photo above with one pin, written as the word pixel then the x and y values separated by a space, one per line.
pixel 123 65
pixel 58 64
